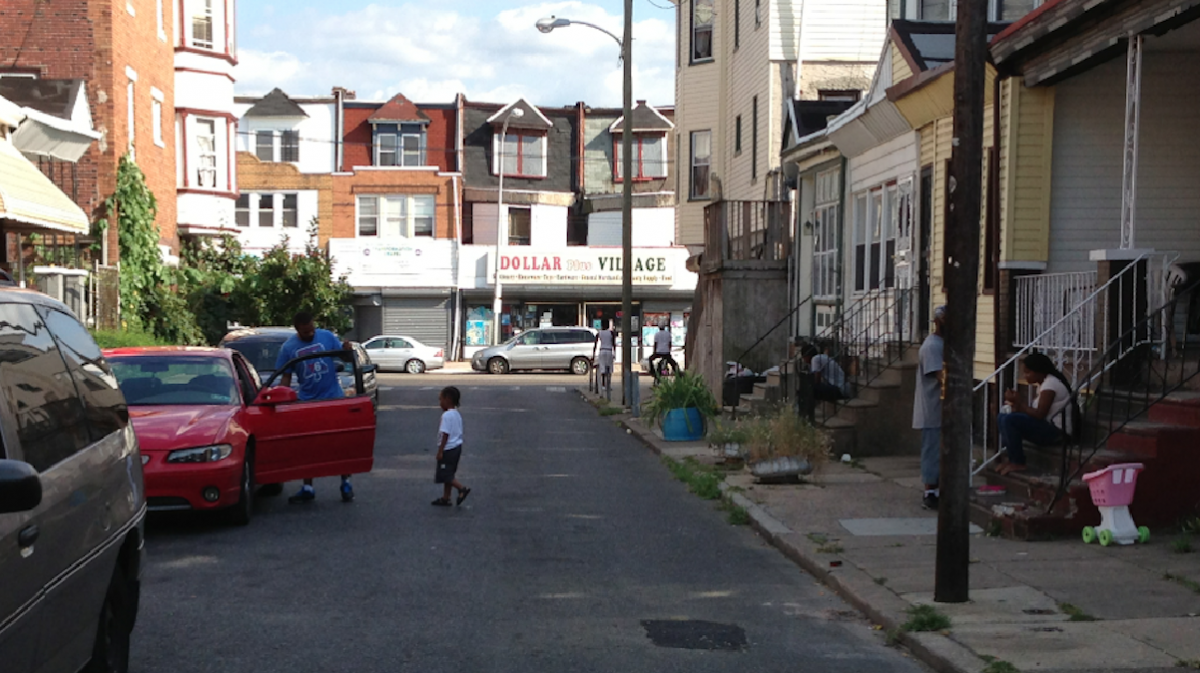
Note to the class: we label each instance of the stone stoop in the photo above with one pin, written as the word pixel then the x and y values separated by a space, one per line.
pixel 878 420
pixel 1167 443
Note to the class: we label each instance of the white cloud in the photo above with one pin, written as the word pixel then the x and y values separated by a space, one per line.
pixel 430 54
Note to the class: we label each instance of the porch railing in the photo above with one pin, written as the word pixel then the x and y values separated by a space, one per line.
pixel 1042 300
pixel 748 230
pixel 1094 325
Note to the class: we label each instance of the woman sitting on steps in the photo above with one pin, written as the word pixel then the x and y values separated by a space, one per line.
pixel 1042 423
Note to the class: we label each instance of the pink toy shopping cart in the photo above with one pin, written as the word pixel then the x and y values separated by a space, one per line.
pixel 1112 493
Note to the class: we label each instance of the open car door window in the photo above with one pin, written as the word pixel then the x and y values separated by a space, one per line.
pixel 306 439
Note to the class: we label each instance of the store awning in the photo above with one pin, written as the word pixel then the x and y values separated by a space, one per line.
pixel 31 201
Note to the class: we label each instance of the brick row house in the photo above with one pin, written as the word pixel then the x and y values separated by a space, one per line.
pixel 156 79
pixel 408 201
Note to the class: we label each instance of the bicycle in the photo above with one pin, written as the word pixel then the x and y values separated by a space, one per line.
pixel 663 366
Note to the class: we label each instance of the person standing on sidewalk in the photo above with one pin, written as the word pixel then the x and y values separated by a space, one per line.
pixel 604 354
pixel 927 408
pixel 318 380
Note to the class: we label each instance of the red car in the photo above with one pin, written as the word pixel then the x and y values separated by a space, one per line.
pixel 209 432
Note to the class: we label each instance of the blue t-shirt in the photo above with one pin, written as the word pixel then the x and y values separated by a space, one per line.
pixel 317 377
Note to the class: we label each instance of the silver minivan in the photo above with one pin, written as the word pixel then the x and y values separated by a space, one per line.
pixel 544 348
pixel 72 506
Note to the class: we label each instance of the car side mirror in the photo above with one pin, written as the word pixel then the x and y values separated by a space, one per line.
pixel 269 397
pixel 20 487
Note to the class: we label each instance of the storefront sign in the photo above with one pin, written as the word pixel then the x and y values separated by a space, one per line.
pixel 587 266
pixel 396 262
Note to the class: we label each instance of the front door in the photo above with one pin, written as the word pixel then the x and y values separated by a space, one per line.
pixel 313 438
pixel 925 245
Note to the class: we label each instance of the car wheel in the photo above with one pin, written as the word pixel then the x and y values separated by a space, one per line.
pixel 497 366
pixel 270 490
pixel 415 367
pixel 242 511
pixel 580 366
pixel 110 653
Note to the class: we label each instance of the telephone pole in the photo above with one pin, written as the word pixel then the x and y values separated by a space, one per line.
pixel 962 282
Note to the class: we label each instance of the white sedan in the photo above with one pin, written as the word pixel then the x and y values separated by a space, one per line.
pixel 402 353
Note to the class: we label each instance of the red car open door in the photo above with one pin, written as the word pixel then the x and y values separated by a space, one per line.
pixel 297 439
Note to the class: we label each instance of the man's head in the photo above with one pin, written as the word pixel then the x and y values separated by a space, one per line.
pixel 305 329
pixel 939 318
pixel 808 353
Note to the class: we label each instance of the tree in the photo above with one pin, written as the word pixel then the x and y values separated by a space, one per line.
pixel 284 283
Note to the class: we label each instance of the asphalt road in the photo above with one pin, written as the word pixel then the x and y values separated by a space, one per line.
pixel 574 548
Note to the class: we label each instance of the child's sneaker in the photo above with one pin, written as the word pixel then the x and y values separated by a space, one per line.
pixel 347 492
pixel 305 494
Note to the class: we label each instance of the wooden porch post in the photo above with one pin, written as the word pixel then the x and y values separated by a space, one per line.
pixel 1133 122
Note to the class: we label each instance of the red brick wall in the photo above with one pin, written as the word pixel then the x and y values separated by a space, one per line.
pixel 356 134
pixel 439 139
pixel 347 187
pixel 94 41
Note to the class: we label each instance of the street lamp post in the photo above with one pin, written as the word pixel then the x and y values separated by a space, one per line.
pixel 545 26
pixel 498 299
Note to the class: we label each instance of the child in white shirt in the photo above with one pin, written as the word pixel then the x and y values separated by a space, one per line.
pixel 450 441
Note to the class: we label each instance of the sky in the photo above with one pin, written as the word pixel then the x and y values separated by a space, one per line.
pixel 429 51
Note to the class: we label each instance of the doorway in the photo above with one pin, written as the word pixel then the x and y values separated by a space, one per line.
pixel 926 243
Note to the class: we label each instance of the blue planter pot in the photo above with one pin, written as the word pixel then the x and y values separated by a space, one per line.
pixel 683 425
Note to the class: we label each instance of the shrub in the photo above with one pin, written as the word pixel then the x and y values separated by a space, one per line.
pixel 125 338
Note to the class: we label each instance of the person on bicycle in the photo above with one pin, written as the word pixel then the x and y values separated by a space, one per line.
pixel 662 350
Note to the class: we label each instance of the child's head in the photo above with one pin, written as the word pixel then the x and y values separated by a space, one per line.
pixel 449 397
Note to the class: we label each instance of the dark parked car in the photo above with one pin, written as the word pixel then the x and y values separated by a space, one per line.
pixel 260 346
pixel 72 503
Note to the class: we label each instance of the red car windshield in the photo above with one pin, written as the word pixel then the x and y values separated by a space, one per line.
pixel 175 380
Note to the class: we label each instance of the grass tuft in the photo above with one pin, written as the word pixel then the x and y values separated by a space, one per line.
pixel 1000 666
pixel 1076 613
pixel 735 514
pixel 1182 544
pixel 926 618
pixel 881 581
pixel 1183 581
pixel 1188 663
pixel 703 480
pixel 832 548
pixel 611 411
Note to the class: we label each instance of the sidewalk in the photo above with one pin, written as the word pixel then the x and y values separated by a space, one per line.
pixel 1040 606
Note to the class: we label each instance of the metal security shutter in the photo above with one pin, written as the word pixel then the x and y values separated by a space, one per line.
pixel 425 319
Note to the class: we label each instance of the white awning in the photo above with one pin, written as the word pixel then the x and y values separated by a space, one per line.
pixel 48 136
pixel 29 199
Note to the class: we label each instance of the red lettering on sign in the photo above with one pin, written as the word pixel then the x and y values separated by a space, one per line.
pixel 558 264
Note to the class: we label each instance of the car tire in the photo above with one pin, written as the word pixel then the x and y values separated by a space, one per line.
pixel 580 366
pixel 270 490
pixel 243 510
pixel 414 366
pixel 497 366
pixel 110 652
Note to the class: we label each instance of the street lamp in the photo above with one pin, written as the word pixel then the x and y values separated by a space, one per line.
pixel 546 25
pixel 498 300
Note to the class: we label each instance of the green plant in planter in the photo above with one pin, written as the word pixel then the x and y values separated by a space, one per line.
pixel 685 391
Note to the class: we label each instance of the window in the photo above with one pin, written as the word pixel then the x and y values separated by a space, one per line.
pixel 758 19
pixel 385 150
pixel 266 210
pixel 825 232
pixel 410 146
pixel 289 146
pixel 701 159
pixel 877 216
pixel 289 210
pixel 242 211
pixel 520 222
pixel 649 154
pixel 523 154
pixel 702 30
pixel 158 14
pixel 103 405
pixel 396 215
pixel 737 135
pixel 206 146
pixel 754 139
pixel 51 425
pixel 156 120
pixel 264 145
pixel 842 95
pixel 202 25
pixel 939 10
pixel 129 121
pixel 737 24
pixel 1011 10
pixel 991 231
pixel 860 242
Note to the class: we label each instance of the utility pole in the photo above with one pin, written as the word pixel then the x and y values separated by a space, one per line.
pixel 962 281
pixel 627 383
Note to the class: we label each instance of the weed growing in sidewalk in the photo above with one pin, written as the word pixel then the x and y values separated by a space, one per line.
pixel 817 538
pixel 893 636
pixel 1188 663
pixel 881 581
pixel 1180 579
pixel 1076 613
pixel 735 514
pixel 1182 544
pixel 1000 666
pixel 703 480
pixel 832 548
pixel 925 618
pixel 611 411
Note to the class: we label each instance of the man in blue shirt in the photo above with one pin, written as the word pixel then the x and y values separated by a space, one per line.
pixel 318 379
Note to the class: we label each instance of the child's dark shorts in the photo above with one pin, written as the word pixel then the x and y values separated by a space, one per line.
pixel 448 465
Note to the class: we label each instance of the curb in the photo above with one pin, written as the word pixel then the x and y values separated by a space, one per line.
pixel 854 586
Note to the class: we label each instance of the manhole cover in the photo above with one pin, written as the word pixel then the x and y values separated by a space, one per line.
pixel 693 634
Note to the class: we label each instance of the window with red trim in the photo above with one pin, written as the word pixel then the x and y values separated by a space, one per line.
pixel 522 154
pixel 649 156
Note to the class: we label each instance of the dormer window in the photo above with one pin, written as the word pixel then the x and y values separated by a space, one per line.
pixel 399 145
pixel 649 156
pixel 523 154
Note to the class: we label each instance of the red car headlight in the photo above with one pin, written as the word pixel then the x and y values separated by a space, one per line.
pixel 201 454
